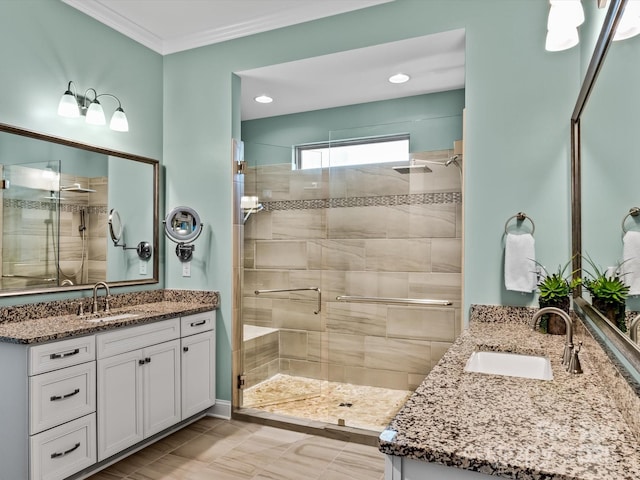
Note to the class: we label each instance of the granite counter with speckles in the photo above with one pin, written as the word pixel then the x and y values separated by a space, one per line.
pixel 47 321
pixel 568 428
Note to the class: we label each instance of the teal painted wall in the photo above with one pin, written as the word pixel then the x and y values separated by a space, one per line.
pixel 183 110
pixel 518 101
pixel 43 45
pixel 433 121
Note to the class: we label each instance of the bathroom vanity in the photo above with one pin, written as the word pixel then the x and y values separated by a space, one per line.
pixel 465 425
pixel 80 390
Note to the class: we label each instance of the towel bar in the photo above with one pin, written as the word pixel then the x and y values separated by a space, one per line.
pixel 633 212
pixel 520 217
pixel 388 300
pixel 278 290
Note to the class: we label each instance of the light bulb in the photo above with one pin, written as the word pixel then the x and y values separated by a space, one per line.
pixel 565 14
pixel 119 121
pixel 95 114
pixel 68 106
pixel 558 40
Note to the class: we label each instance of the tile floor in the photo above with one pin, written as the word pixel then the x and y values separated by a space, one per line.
pixel 218 449
pixel 360 406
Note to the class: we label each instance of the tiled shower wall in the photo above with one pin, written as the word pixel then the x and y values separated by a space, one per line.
pixel 30 233
pixel 366 231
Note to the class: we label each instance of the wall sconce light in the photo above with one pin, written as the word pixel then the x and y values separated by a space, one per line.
pixel 73 105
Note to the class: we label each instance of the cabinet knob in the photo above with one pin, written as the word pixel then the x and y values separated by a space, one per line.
pixel 141 362
pixel 185 349
pixel 147 360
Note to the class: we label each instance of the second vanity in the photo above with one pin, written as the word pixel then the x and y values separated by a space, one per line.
pixel 462 425
pixel 80 390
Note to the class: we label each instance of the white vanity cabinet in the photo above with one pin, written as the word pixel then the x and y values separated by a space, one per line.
pixel 47 409
pixel 138 384
pixel 198 346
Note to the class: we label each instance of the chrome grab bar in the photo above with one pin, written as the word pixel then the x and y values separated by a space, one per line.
pixel 395 301
pixel 278 290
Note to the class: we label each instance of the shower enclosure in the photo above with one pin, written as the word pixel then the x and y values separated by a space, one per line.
pixel 351 281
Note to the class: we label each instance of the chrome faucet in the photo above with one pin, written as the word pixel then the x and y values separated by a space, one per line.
pixel 633 328
pixel 568 346
pixel 94 308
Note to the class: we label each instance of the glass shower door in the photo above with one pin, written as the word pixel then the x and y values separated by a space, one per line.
pixel 281 314
pixel 30 224
pixel 393 236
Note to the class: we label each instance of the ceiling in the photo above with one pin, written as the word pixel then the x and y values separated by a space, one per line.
pixel 435 62
pixel 169 26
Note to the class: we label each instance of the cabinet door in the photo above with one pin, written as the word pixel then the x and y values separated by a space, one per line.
pixel 119 402
pixel 161 386
pixel 198 373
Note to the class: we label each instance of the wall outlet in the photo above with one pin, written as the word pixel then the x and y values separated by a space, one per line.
pixel 143 267
pixel 186 269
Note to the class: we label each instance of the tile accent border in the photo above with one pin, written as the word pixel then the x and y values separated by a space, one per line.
pixel 384 200
pixel 64 207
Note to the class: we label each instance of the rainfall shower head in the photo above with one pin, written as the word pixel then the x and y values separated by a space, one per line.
pixel 76 187
pixel 412 169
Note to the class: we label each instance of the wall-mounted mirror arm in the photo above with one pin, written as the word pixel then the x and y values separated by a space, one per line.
pixel 115 230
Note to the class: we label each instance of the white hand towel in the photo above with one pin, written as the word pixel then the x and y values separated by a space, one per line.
pixel 519 263
pixel 631 261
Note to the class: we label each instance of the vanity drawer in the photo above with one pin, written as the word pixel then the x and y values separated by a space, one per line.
pixel 65 353
pixel 64 450
pixel 128 339
pixel 63 395
pixel 199 322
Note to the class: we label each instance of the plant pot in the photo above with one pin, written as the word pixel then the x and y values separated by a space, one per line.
pixel 554 322
pixel 614 311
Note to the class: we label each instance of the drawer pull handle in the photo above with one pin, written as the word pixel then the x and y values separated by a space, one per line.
pixel 67 452
pixel 185 349
pixel 55 356
pixel 197 324
pixel 58 397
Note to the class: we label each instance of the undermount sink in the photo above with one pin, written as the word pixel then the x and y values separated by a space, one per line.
pixel 111 318
pixel 510 365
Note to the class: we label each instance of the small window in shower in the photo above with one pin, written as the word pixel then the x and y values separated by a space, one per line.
pixel 357 151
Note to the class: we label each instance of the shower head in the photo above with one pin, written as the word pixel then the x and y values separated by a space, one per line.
pixel 412 169
pixel 76 187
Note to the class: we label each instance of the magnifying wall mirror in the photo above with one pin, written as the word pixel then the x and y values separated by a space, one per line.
pixel 115 226
pixel 183 225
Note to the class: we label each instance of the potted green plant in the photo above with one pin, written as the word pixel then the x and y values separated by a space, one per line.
pixel 608 294
pixel 554 291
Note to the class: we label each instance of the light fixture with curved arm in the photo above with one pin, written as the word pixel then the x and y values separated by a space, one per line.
pixel 73 105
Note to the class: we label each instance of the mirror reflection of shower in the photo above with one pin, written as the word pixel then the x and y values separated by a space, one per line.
pixel 250 204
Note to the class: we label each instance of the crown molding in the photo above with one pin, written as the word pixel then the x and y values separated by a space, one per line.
pixel 305 13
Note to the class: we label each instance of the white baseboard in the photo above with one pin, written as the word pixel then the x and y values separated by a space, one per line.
pixel 222 409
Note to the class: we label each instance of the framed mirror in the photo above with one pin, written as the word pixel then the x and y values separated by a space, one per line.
pixel 604 158
pixel 57 221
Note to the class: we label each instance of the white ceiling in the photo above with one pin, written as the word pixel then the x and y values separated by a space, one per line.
pixel 435 62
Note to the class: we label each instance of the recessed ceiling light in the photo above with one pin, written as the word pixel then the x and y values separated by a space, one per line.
pixel 263 99
pixel 399 78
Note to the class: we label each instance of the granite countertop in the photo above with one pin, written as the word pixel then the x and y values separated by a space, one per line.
pixel 568 428
pixel 38 330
